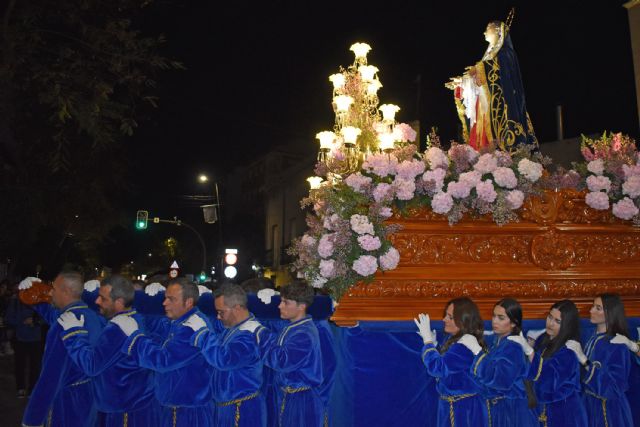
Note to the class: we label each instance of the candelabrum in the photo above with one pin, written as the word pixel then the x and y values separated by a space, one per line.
pixel 361 126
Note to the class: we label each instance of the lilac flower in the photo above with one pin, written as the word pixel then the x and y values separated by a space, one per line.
pixel 365 265
pixel 531 170
pixel 458 189
pixel 327 268
pixel 504 159
pixel 405 189
pixel 308 241
pixel 630 170
pixel 625 209
pixel 441 203
pixel 596 166
pixel 505 177
pixel 515 198
pixel 390 259
pixel 361 225
pixel 404 132
pixel 597 200
pixel 471 178
pixel 383 192
pixel 358 182
pixel 487 163
pixel 381 164
pixel 436 158
pixel 437 176
pixel 632 186
pixel 385 212
pixel 369 242
pixel 486 191
pixel 325 247
pixel 408 170
pixel 598 183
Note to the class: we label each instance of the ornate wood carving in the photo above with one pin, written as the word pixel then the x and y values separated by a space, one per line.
pixel 560 249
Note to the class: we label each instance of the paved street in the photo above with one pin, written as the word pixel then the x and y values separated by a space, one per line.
pixel 10 406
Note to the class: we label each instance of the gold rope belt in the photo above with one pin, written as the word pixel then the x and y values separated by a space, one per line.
pixel 603 401
pixel 238 402
pixel 452 400
pixel 290 390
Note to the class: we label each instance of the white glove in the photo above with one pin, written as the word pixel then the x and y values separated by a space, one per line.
pixel 127 323
pixel 424 328
pixel 153 289
pixel 91 285
pixel 621 339
pixel 435 337
pixel 203 290
pixel 471 343
pixel 575 346
pixel 265 295
pixel 250 325
pixel 69 320
pixel 195 322
pixel 27 282
pixel 520 339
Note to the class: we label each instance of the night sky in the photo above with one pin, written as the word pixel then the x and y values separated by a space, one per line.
pixel 257 75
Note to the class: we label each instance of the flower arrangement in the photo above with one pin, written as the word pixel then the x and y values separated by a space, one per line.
pixel 611 172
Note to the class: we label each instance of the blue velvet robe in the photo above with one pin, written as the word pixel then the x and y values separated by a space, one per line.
pixel 557 385
pixel 182 381
pixel 501 373
pixel 460 403
pixel 122 389
pixel 237 376
pixel 296 358
pixel 62 396
pixel 606 380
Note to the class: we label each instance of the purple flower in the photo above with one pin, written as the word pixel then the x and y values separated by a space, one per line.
pixel 327 268
pixel 505 177
pixel 436 176
pixel 625 209
pixel 598 183
pixel 459 189
pixel 361 225
pixel 408 170
pixel 441 203
pixel 632 186
pixel 369 242
pixel 630 170
pixel 325 247
pixel 404 132
pixel 436 158
pixel 504 159
pixel 486 191
pixel 385 212
pixel 383 193
pixel 487 163
pixel 390 260
pixel 308 241
pixel 515 198
pixel 471 178
pixel 365 265
pixel 405 189
pixel 596 166
pixel 381 164
pixel 358 182
pixel 597 200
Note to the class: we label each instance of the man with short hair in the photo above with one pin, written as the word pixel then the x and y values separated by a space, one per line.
pixel 123 390
pixel 63 395
pixel 235 357
pixel 182 382
pixel 296 358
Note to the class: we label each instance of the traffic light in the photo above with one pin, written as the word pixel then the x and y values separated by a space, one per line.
pixel 230 260
pixel 141 220
pixel 202 277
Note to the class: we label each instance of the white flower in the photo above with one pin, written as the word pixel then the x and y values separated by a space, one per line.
pixel 531 170
pixel 390 259
pixel 361 225
pixel 265 295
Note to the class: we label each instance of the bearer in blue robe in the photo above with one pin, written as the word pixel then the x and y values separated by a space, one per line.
pixel 123 390
pixel 182 383
pixel 235 357
pixel 296 358
pixel 62 396
pixel 460 404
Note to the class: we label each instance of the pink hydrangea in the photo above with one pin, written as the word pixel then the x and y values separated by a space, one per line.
pixel 442 203
pixel 369 242
pixel 327 268
pixel 458 189
pixel 504 159
pixel 436 158
pixel 515 198
pixel 409 169
pixel 390 259
pixel 598 183
pixel 437 176
pixel 596 166
pixel 486 191
pixel 630 170
pixel 365 265
pixel 358 182
pixel 361 225
pixel 625 209
pixel 385 212
pixel 381 164
pixel 404 132
pixel 597 200
pixel 325 247
pixel 531 170
pixel 330 221
pixel 472 153
pixel 405 189
pixel 486 163
pixel 505 178
pixel 631 186
pixel 471 178
pixel 383 192
pixel 308 241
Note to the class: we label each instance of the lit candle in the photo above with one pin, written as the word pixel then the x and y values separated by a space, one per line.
pixel 360 50
pixel 326 139
pixel 386 141
pixel 343 102
pixel 350 134
pixel 372 88
pixel 389 112
pixel 367 72
pixel 314 182
pixel 337 80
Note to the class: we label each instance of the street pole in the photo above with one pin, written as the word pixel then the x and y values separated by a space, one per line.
pixel 179 223
pixel 220 238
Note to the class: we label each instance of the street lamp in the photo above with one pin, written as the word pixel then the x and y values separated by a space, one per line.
pixel 210 213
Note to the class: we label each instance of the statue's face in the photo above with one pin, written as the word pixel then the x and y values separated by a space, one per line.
pixel 491 34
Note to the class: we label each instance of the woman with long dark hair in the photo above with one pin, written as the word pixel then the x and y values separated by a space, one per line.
pixel 502 371
pixel 460 401
pixel 606 364
pixel 554 369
